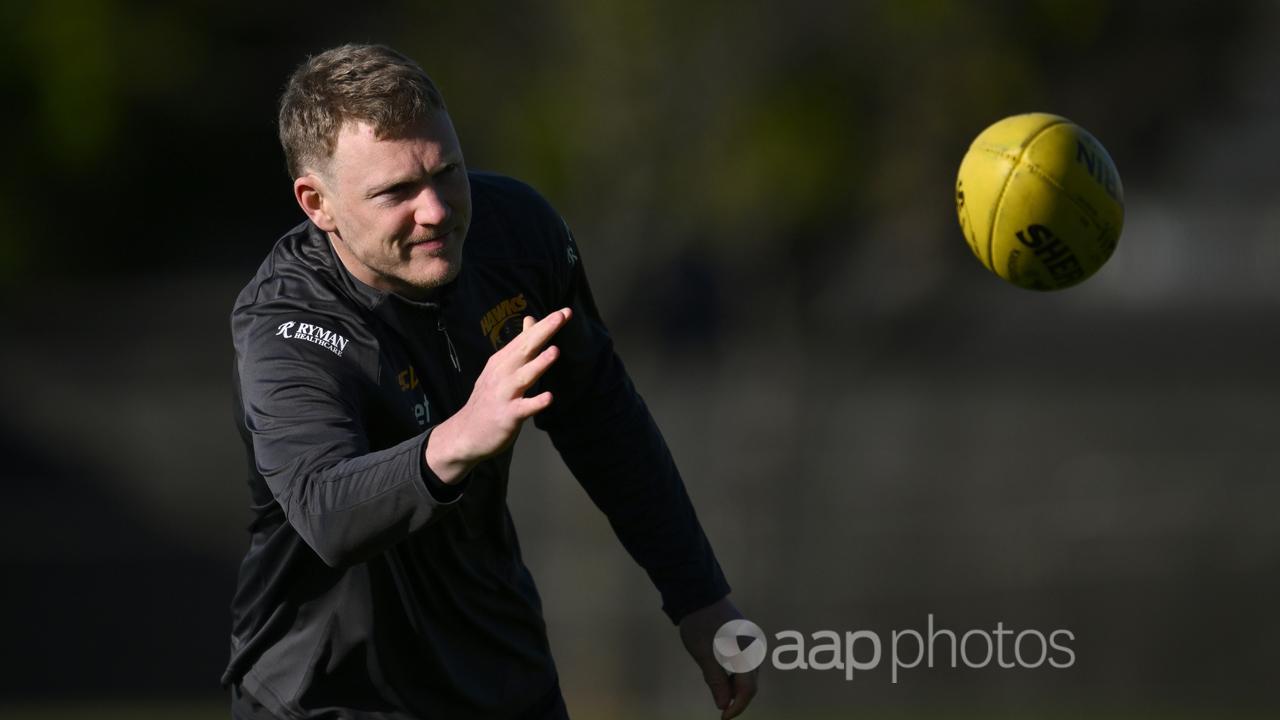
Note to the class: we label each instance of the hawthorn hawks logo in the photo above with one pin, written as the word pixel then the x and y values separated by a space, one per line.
pixel 504 321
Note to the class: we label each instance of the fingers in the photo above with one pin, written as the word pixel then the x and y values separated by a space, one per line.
pixel 529 373
pixel 744 689
pixel 721 688
pixel 526 408
pixel 535 335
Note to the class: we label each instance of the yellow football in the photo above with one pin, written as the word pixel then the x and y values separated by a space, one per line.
pixel 1040 201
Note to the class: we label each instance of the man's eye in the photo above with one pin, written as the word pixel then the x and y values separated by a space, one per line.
pixel 393 194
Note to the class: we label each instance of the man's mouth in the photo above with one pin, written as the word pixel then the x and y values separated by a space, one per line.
pixel 431 244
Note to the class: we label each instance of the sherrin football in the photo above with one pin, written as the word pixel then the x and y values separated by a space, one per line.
pixel 1040 201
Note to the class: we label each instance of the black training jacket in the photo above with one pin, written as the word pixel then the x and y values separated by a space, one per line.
pixel 370 588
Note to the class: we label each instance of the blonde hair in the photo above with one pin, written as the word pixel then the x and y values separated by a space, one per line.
pixel 369 83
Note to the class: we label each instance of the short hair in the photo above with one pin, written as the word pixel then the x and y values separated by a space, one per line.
pixel 369 83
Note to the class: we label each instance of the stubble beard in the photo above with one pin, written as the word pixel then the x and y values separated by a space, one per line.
pixel 427 282
pixel 396 273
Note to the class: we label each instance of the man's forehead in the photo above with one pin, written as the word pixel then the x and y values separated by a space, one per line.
pixel 436 128
pixel 363 151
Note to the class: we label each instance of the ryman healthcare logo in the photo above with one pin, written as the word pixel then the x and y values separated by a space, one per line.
pixel 327 339
pixel 740 646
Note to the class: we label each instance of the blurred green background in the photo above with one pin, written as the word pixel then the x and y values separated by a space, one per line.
pixel 873 428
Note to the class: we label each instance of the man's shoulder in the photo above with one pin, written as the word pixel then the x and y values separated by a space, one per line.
pixel 513 222
pixel 298 268
pixel 514 204
pixel 295 290
pixel 507 194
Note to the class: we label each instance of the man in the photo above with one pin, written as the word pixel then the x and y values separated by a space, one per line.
pixel 387 354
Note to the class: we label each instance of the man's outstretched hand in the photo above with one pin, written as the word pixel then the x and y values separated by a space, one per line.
pixel 731 693
pixel 490 420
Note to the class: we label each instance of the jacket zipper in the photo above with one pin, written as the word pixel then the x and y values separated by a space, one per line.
pixel 453 353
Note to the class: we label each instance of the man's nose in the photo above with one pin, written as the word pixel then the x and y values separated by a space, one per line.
pixel 430 207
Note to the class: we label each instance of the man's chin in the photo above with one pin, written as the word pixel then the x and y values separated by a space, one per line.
pixel 436 274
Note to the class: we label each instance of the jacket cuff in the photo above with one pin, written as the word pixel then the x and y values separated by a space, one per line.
pixel 442 492
pixel 691 599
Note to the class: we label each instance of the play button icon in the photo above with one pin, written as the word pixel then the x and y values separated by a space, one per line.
pixel 739 646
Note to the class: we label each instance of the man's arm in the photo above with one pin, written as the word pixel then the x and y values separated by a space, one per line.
pixel 607 437
pixel 604 432
pixel 303 416
pixel 347 502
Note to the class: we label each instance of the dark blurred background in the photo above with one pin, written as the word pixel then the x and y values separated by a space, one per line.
pixel 872 427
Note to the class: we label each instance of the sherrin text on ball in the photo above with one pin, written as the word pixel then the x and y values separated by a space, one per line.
pixel 1040 201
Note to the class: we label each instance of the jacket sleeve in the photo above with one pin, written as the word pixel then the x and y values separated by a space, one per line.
pixel 302 410
pixel 607 437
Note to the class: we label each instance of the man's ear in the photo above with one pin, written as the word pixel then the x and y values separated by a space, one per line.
pixel 313 197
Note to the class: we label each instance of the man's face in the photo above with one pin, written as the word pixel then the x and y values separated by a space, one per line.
pixel 399 208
